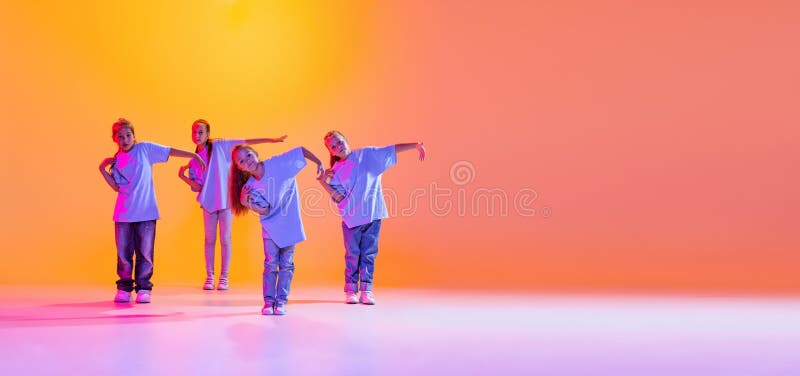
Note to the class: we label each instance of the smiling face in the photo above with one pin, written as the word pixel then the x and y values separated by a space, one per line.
pixel 246 159
pixel 199 133
pixel 124 138
pixel 337 145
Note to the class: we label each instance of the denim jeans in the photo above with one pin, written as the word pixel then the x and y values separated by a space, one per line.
pixel 361 249
pixel 135 238
pixel 278 271
pixel 210 219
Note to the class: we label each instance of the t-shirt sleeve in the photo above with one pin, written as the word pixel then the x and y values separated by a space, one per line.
pixel 226 146
pixel 156 153
pixel 379 160
pixel 291 162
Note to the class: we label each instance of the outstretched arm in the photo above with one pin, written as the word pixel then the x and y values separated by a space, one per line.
pixel 107 175
pixel 187 154
pixel 182 174
pixel 324 180
pixel 313 158
pixel 415 145
pixel 264 140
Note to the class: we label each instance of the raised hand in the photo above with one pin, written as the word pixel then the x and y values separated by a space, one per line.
pixel 107 162
pixel 421 149
pixel 325 174
pixel 320 171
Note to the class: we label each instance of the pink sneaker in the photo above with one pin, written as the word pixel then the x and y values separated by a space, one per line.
pixel 122 296
pixel 223 284
pixel 143 296
pixel 350 298
pixel 268 309
pixel 367 298
pixel 209 283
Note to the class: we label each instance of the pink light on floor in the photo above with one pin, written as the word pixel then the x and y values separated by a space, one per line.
pixel 189 331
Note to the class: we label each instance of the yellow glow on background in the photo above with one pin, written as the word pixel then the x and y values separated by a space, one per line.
pixel 216 54
pixel 252 68
pixel 662 135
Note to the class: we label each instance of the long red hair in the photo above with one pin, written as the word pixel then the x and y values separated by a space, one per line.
pixel 236 181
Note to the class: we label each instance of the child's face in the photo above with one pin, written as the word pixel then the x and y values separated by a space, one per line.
pixel 199 134
pixel 337 146
pixel 246 160
pixel 125 139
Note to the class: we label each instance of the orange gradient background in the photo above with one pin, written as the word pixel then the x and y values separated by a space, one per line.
pixel 661 137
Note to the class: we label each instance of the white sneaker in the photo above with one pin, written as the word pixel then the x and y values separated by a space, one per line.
pixel 280 309
pixel 223 284
pixel 122 296
pixel 350 298
pixel 143 296
pixel 367 298
pixel 268 309
pixel 209 283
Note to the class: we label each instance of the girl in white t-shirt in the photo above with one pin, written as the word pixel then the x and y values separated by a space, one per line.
pixel 269 188
pixel 354 183
pixel 130 173
pixel 211 186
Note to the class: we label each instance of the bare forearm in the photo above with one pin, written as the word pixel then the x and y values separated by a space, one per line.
pixel 310 156
pixel 245 201
pixel 416 145
pixel 404 147
pixel 253 141
pixel 338 197
pixel 196 187
pixel 109 180
pixel 188 154
pixel 191 183
pixel 180 153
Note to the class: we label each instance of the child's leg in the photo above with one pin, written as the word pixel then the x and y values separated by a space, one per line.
pixel 369 251
pixel 124 237
pixel 285 274
pixel 146 235
pixel 210 241
pixel 225 223
pixel 352 238
pixel 270 270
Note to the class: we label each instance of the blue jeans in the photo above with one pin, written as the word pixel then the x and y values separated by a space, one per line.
pixel 135 238
pixel 278 272
pixel 361 249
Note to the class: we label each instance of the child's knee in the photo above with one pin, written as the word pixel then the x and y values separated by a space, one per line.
pixel 287 266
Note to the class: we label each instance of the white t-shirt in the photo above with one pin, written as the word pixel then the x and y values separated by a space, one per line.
pixel 214 194
pixel 277 190
pixel 133 172
pixel 358 178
